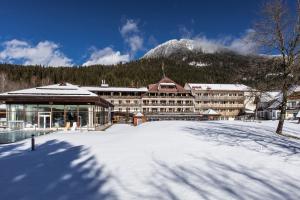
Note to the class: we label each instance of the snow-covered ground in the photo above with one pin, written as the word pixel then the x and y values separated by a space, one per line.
pixel 157 160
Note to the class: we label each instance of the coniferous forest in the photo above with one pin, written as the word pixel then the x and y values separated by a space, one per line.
pixel 220 68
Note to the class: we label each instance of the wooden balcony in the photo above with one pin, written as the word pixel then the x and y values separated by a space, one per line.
pixel 119 97
pixel 167 104
pixel 165 97
pixel 220 106
pixel 220 98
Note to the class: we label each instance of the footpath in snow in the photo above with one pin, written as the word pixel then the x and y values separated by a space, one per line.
pixel 168 160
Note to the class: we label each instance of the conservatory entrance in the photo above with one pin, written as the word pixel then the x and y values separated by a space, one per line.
pixel 44 120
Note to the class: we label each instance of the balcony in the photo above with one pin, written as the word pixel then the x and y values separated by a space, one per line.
pixel 171 97
pixel 167 104
pixel 169 113
pixel 294 107
pixel 119 97
pixel 220 106
pixel 203 98
pixel 128 104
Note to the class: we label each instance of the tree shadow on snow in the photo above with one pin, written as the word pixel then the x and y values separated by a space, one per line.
pixel 217 180
pixel 262 139
pixel 56 170
pixel 10 148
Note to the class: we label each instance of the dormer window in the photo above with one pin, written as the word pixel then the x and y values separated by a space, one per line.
pixel 167 86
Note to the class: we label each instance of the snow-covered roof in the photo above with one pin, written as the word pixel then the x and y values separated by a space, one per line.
pixel 296 88
pixel 278 97
pixel 139 114
pixel 270 96
pixel 298 115
pixel 66 89
pixel 210 112
pixel 115 89
pixel 221 87
pixel 276 104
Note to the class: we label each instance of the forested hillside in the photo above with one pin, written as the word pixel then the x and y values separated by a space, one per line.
pixel 220 68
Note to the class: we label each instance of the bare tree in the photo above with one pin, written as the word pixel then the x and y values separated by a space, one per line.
pixel 278 30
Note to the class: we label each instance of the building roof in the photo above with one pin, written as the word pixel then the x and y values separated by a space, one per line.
pixel 165 81
pixel 54 94
pixel 220 87
pixel 296 88
pixel 115 89
pixel 210 112
pixel 276 101
pixel 269 96
pixel 139 114
pixel 65 89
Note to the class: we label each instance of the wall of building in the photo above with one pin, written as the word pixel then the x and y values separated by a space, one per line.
pixel 227 103
pixel 56 116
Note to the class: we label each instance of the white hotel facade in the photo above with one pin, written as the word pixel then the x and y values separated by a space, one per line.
pixel 169 100
pixel 64 105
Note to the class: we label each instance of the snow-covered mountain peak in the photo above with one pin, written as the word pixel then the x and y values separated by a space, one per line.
pixel 174 46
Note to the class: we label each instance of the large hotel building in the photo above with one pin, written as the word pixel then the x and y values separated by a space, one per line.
pixel 168 100
pixel 66 105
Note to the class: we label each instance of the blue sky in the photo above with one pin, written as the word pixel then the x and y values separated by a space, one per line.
pixel 75 32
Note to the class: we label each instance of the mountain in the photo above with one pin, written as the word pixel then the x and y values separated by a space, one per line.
pixel 183 47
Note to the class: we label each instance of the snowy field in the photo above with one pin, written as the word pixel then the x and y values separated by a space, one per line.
pixel 157 160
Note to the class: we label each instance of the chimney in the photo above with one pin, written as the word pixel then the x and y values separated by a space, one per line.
pixel 103 84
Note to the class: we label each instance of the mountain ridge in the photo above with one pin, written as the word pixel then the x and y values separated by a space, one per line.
pixel 183 46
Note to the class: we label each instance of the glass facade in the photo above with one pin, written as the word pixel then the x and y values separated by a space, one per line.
pixel 56 116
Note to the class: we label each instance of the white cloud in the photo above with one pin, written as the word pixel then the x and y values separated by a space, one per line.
pixel 135 42
pixel 129 27
pixel 106 56
pixel 208 45
pixel 44 53
pixel 242 45
pixel 131 35
pixel 245 44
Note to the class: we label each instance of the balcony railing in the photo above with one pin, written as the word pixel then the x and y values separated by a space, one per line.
pixel 120 97
pixel 128 104
pixel 295 107
pixel 168 113
pixel 220 105
pixel 219 98
pixel 167 104
pixel 171 97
